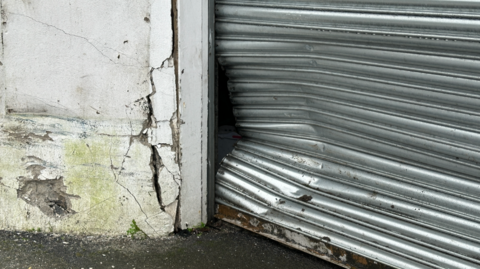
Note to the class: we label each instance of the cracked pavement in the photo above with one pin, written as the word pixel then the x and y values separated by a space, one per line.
pixel 224 246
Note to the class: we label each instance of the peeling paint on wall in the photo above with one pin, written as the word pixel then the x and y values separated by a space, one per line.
pixel 48 195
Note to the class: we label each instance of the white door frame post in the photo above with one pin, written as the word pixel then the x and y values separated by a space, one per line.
pixel 193 87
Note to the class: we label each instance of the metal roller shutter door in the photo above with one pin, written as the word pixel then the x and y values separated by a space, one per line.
pixel 360 123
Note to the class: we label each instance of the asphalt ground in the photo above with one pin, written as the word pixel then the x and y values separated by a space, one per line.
pixel 225 246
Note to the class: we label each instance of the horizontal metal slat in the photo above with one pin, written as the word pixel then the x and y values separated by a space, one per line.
pixel 273 119
pixel 432 27
pixel 464 9
pixel 362 71
pixel 379 116
pixel 448 96
pixel 446 66
pixel 366 158
pixel 421 45
pixel 275 89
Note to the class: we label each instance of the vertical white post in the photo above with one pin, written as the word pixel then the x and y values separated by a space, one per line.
pixel 2 68
pixel 193 108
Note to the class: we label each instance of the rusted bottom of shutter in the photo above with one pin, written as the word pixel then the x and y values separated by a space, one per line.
pixel 295 239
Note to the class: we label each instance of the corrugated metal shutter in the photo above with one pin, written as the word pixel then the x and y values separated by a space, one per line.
pixel 360 122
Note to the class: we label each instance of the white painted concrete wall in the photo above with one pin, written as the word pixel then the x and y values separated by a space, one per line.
pixel 87 93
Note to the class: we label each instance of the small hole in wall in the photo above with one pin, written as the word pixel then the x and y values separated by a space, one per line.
pixel 227 133
pixel 146 19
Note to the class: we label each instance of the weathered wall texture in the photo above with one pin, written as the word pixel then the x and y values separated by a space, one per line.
pixel 88 116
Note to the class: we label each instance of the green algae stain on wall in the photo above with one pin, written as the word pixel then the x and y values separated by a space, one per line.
pixel 87 156
pixel 90 165
pixel 11 165
pixel 10 168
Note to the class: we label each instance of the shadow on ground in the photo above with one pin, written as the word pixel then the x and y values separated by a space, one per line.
pixel 223 247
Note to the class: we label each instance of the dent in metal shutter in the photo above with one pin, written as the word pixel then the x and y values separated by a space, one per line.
pixel 360 123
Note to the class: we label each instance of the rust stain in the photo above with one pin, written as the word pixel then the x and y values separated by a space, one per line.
pixel 278 233
pixel 243 219
pixel 360 259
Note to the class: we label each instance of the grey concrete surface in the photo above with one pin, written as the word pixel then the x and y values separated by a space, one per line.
pixel 225 246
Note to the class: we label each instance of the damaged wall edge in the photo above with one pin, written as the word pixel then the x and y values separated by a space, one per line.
pixel 155 160
pixel 157 165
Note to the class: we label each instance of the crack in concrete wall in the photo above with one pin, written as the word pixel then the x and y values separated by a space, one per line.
pixel 142 138
pixel 90 42
pixel 166 177
pixel 157 164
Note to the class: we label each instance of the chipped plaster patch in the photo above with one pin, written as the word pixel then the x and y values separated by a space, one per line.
pixel 48 195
